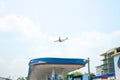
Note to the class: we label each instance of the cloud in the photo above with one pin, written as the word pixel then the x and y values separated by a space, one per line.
pixel 3 68
pixel 21 25
pixel 2 4
pixel 14 68
pixel 2 61
pixel 19 67
pixel 4 26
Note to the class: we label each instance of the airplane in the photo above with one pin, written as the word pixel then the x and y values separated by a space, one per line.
pixel 61 40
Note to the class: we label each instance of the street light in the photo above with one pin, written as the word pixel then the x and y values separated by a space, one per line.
pixel 88 61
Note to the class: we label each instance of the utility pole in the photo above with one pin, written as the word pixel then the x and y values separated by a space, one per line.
pixel 89 67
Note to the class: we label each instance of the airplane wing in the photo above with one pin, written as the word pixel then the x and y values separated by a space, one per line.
pixel 56 41
pixel 64 39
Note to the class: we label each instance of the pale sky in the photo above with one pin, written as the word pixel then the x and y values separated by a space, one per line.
pixel 29 27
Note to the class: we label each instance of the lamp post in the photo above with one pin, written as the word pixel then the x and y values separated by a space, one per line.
pixel 89 67
pixel 88 61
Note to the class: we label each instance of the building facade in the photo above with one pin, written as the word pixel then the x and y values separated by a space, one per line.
pixel 99 70
pixel 110 69
pixel 108 62
pixel 117 64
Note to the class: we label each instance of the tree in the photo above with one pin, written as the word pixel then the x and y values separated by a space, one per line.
pixel 21 78
pixel 77 73
pixel 91 76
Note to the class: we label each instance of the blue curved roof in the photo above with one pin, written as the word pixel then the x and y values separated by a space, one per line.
pixel 71 61
pixel 57 61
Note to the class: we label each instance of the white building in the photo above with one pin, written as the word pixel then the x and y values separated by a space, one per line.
pixel 99 70
pixel 117 63
pixel 110 69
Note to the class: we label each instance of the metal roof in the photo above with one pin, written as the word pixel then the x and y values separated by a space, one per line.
pixel 40 67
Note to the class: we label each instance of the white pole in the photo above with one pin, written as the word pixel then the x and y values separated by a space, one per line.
pixel 63 73
pixel 53 74
pixel 89 67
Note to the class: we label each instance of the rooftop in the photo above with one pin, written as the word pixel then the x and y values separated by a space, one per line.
pixel 109 51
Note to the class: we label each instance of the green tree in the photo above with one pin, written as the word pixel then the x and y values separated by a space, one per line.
pixel 21 78
pixel 77 73
pixel 91 76
pixel 80 74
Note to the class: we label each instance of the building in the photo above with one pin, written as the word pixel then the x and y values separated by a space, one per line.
pixel 117 63
pixel 99 70
pixel 110 69
pixel 108 62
